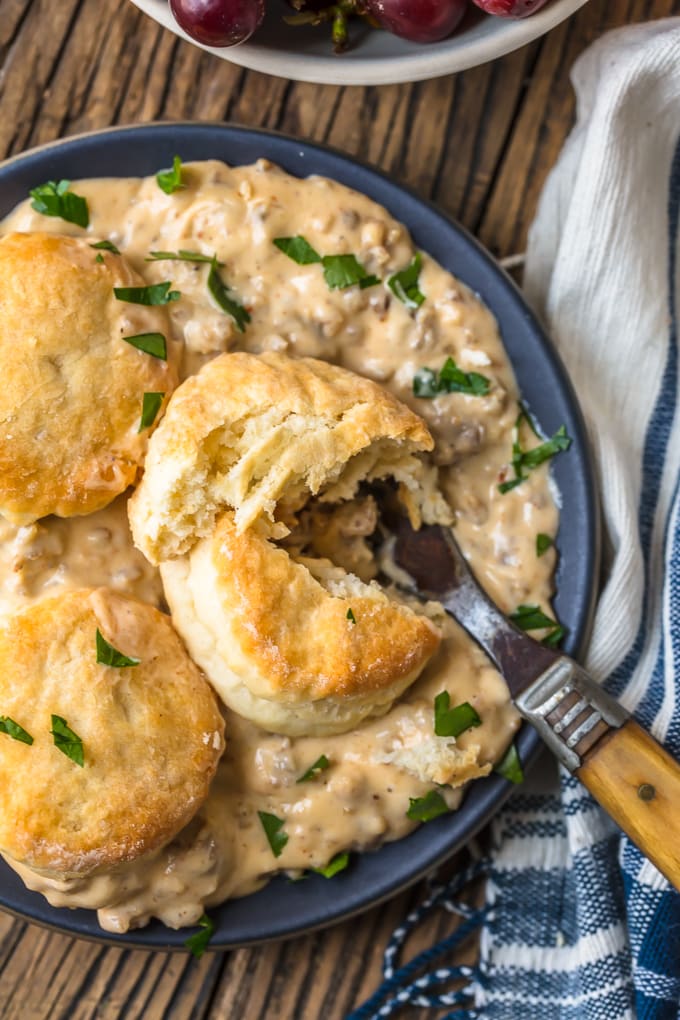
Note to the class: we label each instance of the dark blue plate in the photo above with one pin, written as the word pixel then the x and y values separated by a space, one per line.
pixel 283 908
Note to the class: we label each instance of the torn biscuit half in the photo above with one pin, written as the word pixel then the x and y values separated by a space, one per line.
pixel 298 636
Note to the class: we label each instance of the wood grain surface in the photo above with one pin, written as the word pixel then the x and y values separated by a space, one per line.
pixel 479 144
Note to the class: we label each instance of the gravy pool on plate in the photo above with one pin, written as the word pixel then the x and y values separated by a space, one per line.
pixel 362 798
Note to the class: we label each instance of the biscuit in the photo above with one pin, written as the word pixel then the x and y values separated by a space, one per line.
pixel 250 432
pixel 437 760
pixel 151 734
pixel 72 392
pixel 297 647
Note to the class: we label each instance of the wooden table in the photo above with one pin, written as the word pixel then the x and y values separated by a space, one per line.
pixel 480 144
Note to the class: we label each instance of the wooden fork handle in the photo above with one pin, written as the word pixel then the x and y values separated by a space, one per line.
pixel 638 784
pixel 625 769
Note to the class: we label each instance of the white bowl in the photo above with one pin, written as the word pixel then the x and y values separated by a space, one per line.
pixel 377 58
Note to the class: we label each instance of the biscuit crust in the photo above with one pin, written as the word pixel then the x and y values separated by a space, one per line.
pixel 277 640
pixel 251 430
pixel 152 734
pixel 71 399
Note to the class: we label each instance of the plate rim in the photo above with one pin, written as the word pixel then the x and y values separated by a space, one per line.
pixel 413 66
pixel 83 924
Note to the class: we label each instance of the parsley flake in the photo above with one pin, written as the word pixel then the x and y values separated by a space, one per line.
pixel 319 765
pixel 553 639
pixel 528 617
pixel 543 543
pixel 297 249
pixel 451 722
pixel 198 942
pixel 404 284
pixel 155 294
pixel 341 271
pixel 510 767
pixel 54 199
pixel 224 300
pixel 525 460
pixel 171 180
pixel 350 616
pixel 272 829
pixel 99 258
pixel 107 655
pixel 450 379
pixel 180 256
pixel 14 730
pixel 424 809
pixel 150 343
pixel 68 742
pixel 151 405
pixel 336 864
pixel 106 246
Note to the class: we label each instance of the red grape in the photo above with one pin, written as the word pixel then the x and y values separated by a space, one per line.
pixel 510 8
pixel 418 20
pixel 218 22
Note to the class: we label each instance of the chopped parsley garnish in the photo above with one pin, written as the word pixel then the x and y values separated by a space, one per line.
pixel 558 442
pixel 179 256
pixel 110 656
pixel 171 180
pixel 450 379
pixel 14 730
pixel 526 460
pixel 68 742
pixel 198 942
pixel 350 616
pixel 154 294
pixel 543 543
pixel 150 343
pixel 339 271
pixel 319 765
pixel 404 284
pixel 151 405
pixel 272 829
pixel 451 722
pixel 510 767
pixel 528 617
pixel 297 249
pixel 224 300
pixel 54 199
pixel 105 246
pixel 99 258
pixel 336 864
pixel 424 809
pixel 553 639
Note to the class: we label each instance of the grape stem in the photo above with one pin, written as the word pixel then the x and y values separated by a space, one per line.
pixel 339 30
pixel 337 13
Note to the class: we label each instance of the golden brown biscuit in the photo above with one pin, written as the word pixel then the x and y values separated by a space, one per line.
pixel 250 431
pixel 151 734
pixel 72 390
pixel 299 648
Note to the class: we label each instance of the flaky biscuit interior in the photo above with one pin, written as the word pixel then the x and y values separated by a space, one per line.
pixel 252 431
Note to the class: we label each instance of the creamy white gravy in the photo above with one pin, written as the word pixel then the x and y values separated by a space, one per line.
pixel 362 799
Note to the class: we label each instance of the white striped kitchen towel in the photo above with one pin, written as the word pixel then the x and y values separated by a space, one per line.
pixel 577 925
pixel 581 926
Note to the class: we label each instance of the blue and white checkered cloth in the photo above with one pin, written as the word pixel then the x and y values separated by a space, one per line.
pixel 577 924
